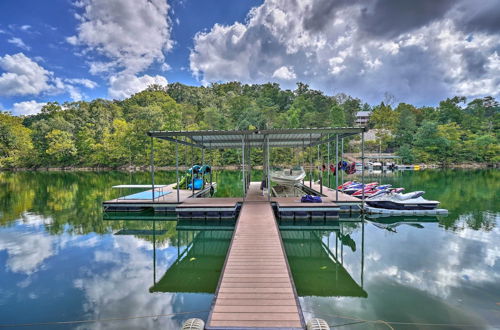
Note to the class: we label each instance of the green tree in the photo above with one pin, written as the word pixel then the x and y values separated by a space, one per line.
pixel 406 154
pixel 406 126
pixel 427 142
pixel 450 110
pixel 337 116
pixel 15 142
pixel 383 117
pixel 60 147
pixel 452 148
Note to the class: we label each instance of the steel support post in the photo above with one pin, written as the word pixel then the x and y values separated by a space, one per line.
pixel 177 168
pixel 328 163
pixel 268 176
pixel 202 152
pixel 192 172
pixel 320 169
pixel 243 166
pixel 336 167
pixel 363 171
pixel 310 162
pixel 152 156
pixel 341 158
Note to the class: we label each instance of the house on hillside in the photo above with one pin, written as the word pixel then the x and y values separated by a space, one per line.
pixel 362 118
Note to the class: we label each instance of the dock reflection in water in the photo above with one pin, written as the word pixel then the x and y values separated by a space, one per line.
pixel 315 252
pixel 202 246
pixel 199 264
pixel 340 268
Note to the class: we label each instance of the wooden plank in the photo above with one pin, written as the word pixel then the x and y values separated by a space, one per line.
pixel 254 309
pixel 255 289
pixel 255 324
pixel 256 285
pixel 234 316
pixel 255 302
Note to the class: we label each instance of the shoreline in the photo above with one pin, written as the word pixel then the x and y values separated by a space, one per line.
pixel 145 168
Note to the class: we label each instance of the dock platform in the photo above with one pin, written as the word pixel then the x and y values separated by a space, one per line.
pixel 256 288
pixel 209 208
pixel 166 202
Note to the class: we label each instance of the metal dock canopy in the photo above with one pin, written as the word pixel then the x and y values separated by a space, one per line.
pixel 290 137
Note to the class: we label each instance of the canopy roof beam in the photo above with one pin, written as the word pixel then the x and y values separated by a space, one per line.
pixel 231 139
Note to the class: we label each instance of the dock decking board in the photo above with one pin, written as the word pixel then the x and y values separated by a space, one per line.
pixel 256 288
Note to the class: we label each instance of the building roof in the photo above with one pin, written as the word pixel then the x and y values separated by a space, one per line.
pixel 290 137
pixel 363 114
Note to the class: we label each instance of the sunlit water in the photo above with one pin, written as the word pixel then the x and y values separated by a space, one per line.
pixel 62 261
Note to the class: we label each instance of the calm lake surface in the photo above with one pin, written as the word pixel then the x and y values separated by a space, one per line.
pixel 62 260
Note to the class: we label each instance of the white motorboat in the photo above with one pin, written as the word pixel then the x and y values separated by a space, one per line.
pixel 288 177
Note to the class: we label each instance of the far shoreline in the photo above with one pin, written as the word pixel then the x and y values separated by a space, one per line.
pixel 146 168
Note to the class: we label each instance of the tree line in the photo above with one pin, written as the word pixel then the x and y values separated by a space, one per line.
pixel 112 133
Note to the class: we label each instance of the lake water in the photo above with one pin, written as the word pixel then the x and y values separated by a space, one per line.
pixel 62 261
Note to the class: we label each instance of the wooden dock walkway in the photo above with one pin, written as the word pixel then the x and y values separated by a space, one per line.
pixel 256 288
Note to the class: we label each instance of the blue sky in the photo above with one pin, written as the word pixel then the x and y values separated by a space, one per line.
pixel 418 52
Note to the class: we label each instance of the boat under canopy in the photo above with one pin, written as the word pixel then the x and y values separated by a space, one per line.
pixel 288 177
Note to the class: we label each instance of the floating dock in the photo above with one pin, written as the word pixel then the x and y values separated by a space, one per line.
pixel 165 202
pixel 256 288
pixel 192 206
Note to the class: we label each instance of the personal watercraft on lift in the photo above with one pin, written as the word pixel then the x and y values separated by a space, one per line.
pixel 351 189
pixel 399 201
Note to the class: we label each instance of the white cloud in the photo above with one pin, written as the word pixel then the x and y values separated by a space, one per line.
pixel 25 27
pixel 122 86
pixel 22 76
pixel 284 73
pixel 27 108
pixel 131 34
pixel 342 46
pixel 84 82
pixel 19 43
pixel 165 67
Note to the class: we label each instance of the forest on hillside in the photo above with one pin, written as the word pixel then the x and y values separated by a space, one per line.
pixel 112 133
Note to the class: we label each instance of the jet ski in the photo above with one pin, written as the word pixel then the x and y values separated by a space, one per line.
pixel 371 190
pixel 358 186
pixel 399 201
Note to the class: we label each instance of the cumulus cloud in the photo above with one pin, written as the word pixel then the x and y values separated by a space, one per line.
pixel 122 86
pixel 23 76
pixel 284 73
pixel 420 52
pixel 130 35
pixel 19 43
pixel 27 108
